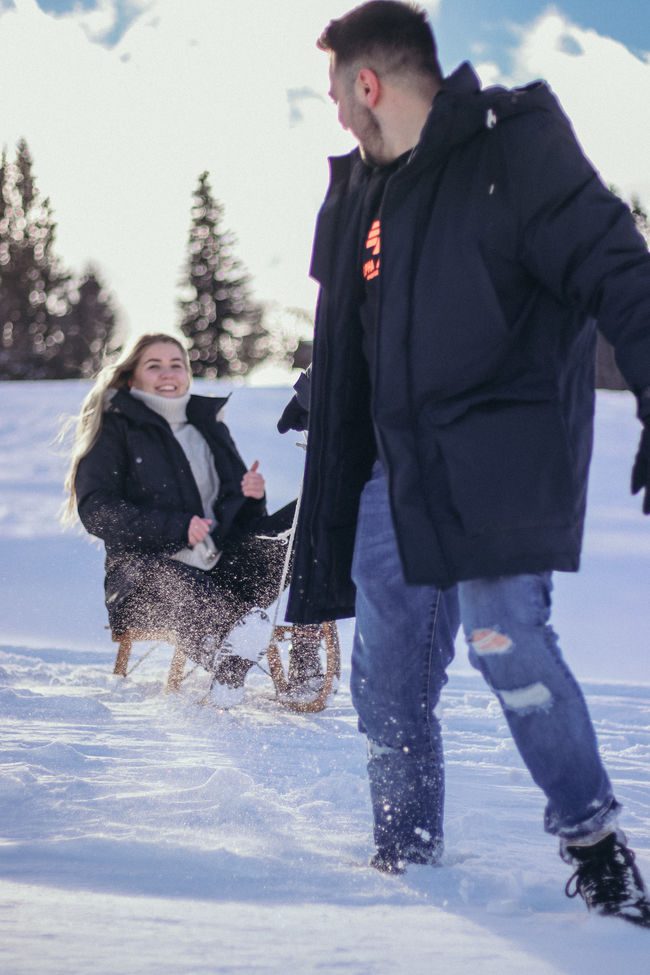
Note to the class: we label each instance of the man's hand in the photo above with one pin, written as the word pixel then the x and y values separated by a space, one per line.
pixel 294 417
pixel 641 469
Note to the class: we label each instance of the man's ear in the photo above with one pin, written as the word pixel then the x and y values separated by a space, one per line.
pixel 368 87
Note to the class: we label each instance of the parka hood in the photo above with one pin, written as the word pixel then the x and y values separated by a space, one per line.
pixel 462 109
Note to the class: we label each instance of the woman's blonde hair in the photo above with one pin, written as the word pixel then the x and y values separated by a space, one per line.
pixel 88 422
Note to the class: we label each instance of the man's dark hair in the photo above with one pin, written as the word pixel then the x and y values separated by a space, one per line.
pixel 393 36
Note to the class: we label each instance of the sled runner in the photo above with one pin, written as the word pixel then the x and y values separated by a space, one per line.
pixel 328 635
pixel 302 702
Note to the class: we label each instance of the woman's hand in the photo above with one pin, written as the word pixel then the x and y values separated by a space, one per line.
pixel 198 529
pixel 252 483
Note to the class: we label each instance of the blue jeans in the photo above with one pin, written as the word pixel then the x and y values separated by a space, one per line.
pixel 506 624
pixel 403 643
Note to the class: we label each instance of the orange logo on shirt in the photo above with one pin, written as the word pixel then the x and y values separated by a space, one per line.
pixel 373 244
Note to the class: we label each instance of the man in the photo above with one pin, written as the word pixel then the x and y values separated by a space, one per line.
pixel 464 252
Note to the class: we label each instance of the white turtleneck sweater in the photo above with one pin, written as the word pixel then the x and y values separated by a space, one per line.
pixel 204 555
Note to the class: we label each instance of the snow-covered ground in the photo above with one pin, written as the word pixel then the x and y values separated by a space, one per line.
pixel 141 833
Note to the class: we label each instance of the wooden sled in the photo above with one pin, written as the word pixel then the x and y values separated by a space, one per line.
pixel 330 638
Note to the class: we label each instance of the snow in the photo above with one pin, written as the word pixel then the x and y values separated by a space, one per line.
pixel 142 833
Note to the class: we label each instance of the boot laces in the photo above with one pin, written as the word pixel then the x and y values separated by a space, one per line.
pixel 608 880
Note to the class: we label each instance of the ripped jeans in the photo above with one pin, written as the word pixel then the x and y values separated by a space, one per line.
pixel 506 624
pixel 403 644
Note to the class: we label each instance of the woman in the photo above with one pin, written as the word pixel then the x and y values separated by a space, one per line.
pixel 189 544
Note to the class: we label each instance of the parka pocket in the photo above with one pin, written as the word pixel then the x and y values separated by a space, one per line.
pixel 508 466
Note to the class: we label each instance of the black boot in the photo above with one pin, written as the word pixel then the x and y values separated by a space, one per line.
pixel 608 880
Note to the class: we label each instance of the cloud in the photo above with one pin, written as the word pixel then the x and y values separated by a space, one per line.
pixel 104 21
pixel 604 89
pixel 119 136
pixel 99 21
pixel 295 96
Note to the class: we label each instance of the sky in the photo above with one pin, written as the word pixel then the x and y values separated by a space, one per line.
pixel 125 102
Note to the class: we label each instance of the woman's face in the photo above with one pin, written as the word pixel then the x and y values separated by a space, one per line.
pixel 161 370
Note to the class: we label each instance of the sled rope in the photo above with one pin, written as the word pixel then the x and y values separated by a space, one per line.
pixel 144 656
pixel 290 538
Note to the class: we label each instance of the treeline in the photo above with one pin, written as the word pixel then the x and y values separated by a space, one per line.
pixel 58 325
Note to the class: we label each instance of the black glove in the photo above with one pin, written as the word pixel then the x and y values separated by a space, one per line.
pixel 641 469
pixel 294 417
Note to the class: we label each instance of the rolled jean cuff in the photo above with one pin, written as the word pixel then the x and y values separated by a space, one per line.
pixel 603 820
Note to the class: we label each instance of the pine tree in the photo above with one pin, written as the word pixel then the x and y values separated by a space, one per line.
pixel 88 327
pixel 219 317
pixel 32 283
pixel 51 327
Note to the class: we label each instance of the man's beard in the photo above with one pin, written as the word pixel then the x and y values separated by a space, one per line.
pixel 367 156
pixel 369 136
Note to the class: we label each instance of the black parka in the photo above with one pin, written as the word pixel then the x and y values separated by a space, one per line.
pixel 136 491
pixel 500 248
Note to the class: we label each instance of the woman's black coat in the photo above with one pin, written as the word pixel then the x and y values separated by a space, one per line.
pixel 136 491
pixel 500 246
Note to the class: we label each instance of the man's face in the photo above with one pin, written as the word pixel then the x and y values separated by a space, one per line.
pixel 357 117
